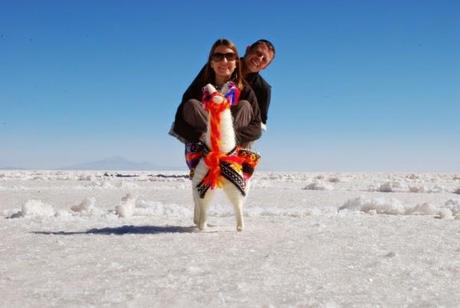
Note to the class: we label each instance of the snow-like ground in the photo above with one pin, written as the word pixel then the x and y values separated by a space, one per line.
pixel 126 239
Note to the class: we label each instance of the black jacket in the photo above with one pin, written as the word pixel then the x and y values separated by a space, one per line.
pixel 244 135
pixel 261 87
pixel 263 92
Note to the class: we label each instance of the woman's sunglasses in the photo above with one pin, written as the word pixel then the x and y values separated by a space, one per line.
pixel 218 56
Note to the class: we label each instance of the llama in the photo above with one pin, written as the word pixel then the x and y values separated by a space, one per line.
pixel 216 167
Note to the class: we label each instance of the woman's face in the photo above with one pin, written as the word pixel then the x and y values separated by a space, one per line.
pixel 223 62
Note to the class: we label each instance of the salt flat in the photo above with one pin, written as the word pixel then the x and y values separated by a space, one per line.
pixel 311 239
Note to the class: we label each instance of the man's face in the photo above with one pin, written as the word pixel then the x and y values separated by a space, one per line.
pixel 258 58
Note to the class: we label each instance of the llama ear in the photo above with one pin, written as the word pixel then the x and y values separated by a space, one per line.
pixel 209 88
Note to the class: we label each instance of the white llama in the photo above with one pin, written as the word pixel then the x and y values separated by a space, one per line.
pixel 201 193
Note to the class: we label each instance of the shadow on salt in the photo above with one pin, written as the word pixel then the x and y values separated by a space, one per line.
pixel 126 230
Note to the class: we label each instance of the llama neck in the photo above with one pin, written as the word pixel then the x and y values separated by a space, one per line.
pixel 227 134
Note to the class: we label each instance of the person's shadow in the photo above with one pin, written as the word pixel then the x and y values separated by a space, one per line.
pixel 126 230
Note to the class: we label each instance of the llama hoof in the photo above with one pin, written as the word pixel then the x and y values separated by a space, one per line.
pixel 203 227
pixel 239 228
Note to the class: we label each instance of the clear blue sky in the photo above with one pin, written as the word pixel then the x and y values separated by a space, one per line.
pixel 357 85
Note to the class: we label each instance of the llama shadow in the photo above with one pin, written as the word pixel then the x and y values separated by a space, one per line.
pixel 126 230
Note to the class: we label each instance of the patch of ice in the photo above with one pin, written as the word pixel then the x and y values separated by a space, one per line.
pixel 376 205
pixel 334 179
pixel 86 177
pixel 392 186
pixel 63 214
pixel 318 185
pixel 87 207
pixel 423 209
pixel 454 207
pixel 437 189
pixel 445 213
pixel 417 189
pixel 392 206
pixel 35 208
pixel 126 208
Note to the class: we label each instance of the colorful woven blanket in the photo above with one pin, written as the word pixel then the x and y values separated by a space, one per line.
pixel 238 167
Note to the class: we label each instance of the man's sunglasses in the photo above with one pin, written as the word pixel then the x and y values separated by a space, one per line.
pixel 218 56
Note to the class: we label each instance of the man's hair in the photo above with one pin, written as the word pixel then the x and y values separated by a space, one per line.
pixel 267 43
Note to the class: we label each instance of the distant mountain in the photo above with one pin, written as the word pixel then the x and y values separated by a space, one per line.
pixel 11 168
pixel 113 163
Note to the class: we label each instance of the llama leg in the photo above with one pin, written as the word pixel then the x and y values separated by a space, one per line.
pixel 200 172
pixel 203 204
pixel 200 215
pixel 196 211
pixel 238 206
pixel 237 200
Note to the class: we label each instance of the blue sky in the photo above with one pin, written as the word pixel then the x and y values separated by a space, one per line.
pixel 357 85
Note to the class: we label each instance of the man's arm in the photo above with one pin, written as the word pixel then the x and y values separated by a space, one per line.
pixel 264 107
pixel 264 91
pixel 253 131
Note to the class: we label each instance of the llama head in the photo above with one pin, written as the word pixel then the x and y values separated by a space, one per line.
pixel 208 93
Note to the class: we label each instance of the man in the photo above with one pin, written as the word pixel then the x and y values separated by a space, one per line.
pixel 258 57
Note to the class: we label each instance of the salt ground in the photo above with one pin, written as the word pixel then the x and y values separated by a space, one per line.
pixel 125 239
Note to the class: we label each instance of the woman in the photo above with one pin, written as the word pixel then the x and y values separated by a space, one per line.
pixel 223 65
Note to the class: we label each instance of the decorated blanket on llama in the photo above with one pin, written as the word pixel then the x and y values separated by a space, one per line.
pixel 237 166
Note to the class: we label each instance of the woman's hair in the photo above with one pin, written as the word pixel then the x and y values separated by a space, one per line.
pixel 209 75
